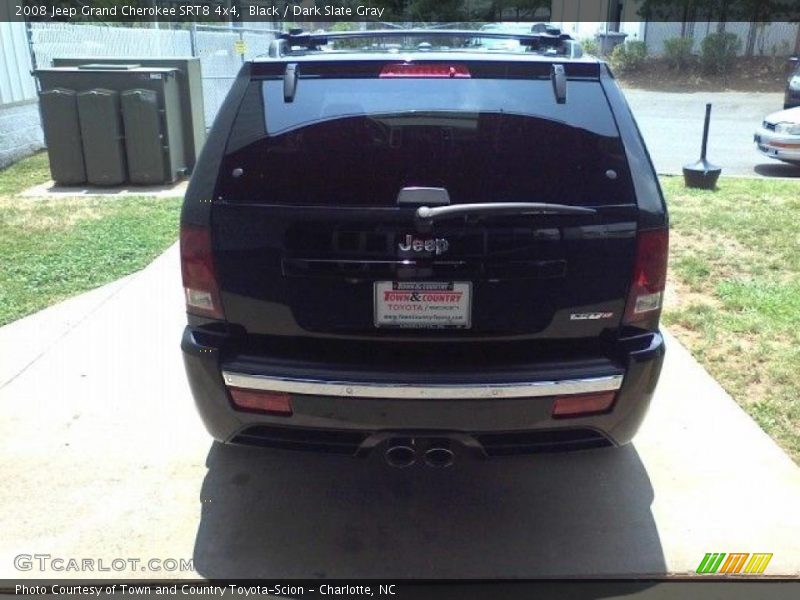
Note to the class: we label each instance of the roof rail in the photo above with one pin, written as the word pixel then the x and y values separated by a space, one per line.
pixel 551 38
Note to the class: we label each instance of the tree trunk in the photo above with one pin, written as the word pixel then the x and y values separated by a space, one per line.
pixel 684 19
pixel 723 16
pixel 751 39
pixel 797 41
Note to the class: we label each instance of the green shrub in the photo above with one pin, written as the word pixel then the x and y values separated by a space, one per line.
pixel 718 52
pixel 678 52
pixel 590 46
pixel 629 56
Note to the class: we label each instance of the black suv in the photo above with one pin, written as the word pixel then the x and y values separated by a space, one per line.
pixel 420 248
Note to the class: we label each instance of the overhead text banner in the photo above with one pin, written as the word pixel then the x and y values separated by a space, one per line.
pixel 395 11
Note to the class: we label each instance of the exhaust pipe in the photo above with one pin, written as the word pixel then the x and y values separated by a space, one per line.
pixel 439 457
pixel 400 455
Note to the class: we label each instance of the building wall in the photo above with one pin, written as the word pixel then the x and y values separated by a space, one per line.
pixel 586 18
pixel 16 82
pixel 579 10
pixel 581 30
pixel 772 39
pixel 20 131
pixel 20 128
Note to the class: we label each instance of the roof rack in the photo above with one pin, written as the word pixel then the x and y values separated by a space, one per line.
pixel 552 38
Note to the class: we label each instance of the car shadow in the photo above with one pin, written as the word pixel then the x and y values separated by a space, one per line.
pixel 295 515
pixel 777 170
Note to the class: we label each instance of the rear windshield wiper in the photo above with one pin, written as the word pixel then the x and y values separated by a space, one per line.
pixel 426 216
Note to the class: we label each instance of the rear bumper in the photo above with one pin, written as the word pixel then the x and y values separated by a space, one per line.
pixel 353 411
pixel 778 146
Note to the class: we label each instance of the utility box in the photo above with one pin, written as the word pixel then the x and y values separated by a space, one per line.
pixel 130 120
pixel 189 81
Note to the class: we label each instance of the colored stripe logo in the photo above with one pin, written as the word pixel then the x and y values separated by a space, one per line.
pixel 735 563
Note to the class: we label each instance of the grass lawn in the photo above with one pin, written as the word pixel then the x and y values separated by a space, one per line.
pixel 55 248
pixel 735 293
pixel 24 174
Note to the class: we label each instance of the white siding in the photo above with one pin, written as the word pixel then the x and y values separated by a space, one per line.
pixel 581 30
pixel 771 38
pixel 16 82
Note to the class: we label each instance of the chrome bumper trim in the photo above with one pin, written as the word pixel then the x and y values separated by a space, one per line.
pixel 318 387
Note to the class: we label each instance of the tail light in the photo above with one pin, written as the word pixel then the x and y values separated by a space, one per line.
pixel 649 276
pixel 426 70
pixel 580 405
pixel 197 269
pixel 270 402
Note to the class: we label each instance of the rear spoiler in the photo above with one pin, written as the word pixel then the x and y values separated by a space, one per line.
pixel 550 39
pixel 354 66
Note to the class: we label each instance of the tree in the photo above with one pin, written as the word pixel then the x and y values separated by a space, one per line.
pixel 756 12
pixel 797 41
pixel 395 9
pixel 436 10
pixel 522 10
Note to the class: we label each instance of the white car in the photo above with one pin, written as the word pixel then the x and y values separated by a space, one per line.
pixel 779 136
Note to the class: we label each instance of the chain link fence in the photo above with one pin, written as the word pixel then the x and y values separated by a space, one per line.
pixel 222 52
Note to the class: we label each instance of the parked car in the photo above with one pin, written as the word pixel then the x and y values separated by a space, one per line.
pixel 779 136
pixel 792 96
pixel 424 254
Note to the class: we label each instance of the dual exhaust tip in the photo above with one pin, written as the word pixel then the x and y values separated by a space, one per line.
pixel 402 453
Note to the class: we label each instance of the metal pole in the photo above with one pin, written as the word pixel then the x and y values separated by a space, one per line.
pixel 29 37
pixel 702 174
pixel 193 38
pixel 705 132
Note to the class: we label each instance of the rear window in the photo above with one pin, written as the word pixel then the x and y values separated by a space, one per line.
pixel 358 142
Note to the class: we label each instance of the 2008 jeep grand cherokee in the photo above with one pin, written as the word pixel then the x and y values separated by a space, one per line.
pixel 422 248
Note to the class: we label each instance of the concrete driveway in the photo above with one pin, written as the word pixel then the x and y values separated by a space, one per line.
pixel 672 126
pixel 103 457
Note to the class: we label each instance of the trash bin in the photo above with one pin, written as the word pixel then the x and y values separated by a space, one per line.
pixel 101 133
pixel 607 41
pixel 143 139
pixel 62 134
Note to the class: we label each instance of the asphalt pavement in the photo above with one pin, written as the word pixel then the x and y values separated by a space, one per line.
pixel 672 126
pixel 105 458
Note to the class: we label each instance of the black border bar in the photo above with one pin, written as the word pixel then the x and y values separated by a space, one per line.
pixel 542 589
